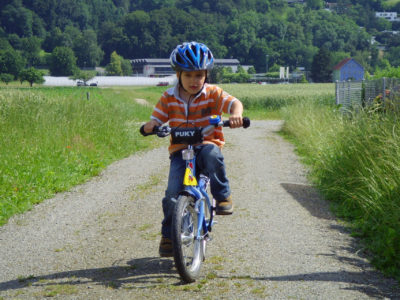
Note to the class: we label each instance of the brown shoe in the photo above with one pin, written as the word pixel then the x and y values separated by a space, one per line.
pixel 225 207
pixel 166 249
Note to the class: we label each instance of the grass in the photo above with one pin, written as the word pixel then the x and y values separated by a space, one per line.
pixel 265 101
pixel 60 289
pixel 54 138
pixel 354 161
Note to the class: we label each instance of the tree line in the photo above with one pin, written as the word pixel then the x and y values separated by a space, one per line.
pixel 262 33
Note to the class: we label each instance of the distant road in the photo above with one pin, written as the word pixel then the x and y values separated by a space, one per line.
pixel 110 80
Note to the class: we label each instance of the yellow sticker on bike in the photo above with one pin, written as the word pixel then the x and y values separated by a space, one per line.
pixel 189 179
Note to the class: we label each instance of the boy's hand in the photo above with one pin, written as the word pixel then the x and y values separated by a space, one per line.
pixel 149 126
pixel 236 120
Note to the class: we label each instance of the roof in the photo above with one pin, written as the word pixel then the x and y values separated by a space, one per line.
pixel 342 63
pixel 167 61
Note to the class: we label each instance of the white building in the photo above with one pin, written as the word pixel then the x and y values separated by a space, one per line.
pixel 158 67
pixel 390 16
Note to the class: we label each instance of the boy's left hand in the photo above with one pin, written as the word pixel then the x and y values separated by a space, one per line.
pixel 236 120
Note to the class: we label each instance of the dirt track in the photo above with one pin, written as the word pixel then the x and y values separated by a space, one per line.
pixel 100 240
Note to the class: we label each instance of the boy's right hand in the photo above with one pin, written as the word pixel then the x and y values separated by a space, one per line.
pixel 149 126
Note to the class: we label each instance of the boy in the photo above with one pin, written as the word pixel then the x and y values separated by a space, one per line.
pixel 191 102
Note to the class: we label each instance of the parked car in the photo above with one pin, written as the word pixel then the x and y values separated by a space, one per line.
pixel 93 84
pixel 163 83
pixel 80 83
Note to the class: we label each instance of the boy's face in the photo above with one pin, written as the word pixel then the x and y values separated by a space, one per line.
pixel 193 81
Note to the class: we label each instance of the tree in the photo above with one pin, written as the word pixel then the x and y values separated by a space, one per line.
pixel 15 18
pixel 85 76
pixel 251 70
pixel 54 38
pixel 314 4
pixel 215 75
pixel 86 49
pixel 114 68
pixel 4 44
pixel 126 67
pixel 321 66
pixel 11 62
pixel 62 62
pixel 111 38
pixel 248 30
pixel 31 75
pixel 6 78
pixel 394 56
pixel 242 34
pixel 31 48
pixel 136 28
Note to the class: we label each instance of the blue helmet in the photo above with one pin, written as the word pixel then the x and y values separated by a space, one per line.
pixel 191 56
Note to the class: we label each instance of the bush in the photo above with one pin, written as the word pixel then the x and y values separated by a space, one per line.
pixel 391 72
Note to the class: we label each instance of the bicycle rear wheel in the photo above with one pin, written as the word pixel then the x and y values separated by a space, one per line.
pixel 188 254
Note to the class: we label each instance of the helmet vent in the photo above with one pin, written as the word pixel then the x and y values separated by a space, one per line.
pixel 191 57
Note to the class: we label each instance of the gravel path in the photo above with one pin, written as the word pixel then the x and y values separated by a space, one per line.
pixel 100 240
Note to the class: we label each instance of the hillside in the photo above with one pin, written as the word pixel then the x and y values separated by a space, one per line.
pixel 257 32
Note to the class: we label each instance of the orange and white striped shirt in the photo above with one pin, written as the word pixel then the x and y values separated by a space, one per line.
pixel 212 100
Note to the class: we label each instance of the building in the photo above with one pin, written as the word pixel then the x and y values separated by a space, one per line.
pixel 291 2
pixel 390 16
pixel 159 67
pixel 348 69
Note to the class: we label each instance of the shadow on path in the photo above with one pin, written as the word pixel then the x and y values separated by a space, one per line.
pixel 140 273
pixel 310 199
pixel 367 281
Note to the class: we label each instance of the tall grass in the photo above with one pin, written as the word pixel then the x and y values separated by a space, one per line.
pixel 355 162
pixel 54 138
pixel 264 101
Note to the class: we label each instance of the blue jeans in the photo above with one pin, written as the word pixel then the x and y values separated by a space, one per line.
pixel 210 162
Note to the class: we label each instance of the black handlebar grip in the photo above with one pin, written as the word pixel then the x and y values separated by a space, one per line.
pixel 226 124
pixel 246 122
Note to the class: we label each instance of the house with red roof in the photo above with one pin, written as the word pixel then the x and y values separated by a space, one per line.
pixel 348 69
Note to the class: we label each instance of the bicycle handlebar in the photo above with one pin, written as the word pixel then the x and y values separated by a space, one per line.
pixel 190 135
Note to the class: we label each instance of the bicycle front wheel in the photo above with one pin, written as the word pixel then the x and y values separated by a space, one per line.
pixel 188 254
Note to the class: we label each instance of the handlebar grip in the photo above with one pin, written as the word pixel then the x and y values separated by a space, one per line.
pixel 246 123
pixel 142 132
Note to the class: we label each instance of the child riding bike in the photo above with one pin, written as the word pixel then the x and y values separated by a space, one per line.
pixel 190 103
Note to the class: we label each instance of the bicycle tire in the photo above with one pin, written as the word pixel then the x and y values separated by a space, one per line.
pixel 188 254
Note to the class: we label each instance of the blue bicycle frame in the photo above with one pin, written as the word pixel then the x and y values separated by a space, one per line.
pixel 197 190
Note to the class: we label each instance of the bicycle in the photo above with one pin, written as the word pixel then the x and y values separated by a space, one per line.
pixel 194 212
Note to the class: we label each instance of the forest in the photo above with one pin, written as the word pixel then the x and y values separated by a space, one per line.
pixel 261 33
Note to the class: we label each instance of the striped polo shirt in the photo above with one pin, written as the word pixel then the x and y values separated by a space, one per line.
pixel 212 100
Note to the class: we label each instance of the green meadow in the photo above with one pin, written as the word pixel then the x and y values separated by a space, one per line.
pixel 54 138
